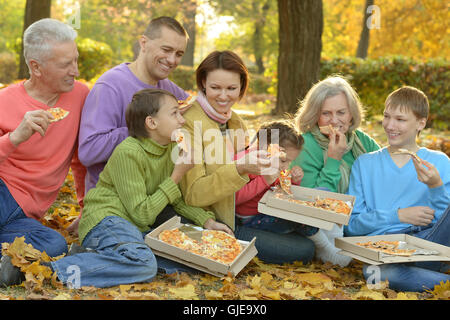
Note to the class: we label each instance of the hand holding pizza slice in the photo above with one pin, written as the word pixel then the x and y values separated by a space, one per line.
pixel 57 113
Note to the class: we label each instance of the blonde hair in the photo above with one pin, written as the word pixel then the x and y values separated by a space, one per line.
pixel 308 113
pixel 409 98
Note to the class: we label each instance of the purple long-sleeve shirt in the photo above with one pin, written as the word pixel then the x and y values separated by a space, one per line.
pixel 103 124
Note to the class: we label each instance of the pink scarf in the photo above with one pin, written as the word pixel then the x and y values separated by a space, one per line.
pixel 210 111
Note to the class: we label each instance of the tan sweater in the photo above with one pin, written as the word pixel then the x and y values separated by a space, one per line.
pixel 212 182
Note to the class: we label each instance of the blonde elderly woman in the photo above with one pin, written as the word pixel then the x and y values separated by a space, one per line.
pixel 329 118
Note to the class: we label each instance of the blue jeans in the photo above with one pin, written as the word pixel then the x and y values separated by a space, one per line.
pixel 275 247
pixel 14 223
pixel 418 276
pixel 119 255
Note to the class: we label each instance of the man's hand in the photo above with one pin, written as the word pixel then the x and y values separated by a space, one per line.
pixel 33 121
pixel 418 216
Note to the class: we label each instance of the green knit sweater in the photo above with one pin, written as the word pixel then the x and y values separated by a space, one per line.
pixel 136 185
pixel 311 161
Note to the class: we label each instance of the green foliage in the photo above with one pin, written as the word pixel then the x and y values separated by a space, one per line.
pixel 8 67
pixel 374 79
pixel 184 77
pixel 95 57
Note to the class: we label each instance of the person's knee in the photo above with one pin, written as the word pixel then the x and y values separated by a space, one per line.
pixel 141 256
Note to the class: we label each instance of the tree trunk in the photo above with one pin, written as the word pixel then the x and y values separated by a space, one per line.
pixel 363 44
pixel 301 25
pixel 189 10
pixel 258 37
pixel 34 10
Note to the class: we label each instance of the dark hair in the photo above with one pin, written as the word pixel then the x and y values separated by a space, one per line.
pixel 226 60
pixel 153 30
pixel 144 103
pixel 282 131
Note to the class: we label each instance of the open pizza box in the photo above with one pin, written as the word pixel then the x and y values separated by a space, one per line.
pixel 425 250
pixel 316 217
pixel 196 261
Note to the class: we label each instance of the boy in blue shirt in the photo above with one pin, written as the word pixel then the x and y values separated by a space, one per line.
pixel 399 193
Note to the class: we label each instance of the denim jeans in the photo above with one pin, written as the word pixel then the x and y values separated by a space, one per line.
pixel 119 256
pixel 277 248
pixel 418 276
pixel 14 223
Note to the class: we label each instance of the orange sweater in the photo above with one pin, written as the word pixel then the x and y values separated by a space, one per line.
pixel 36 169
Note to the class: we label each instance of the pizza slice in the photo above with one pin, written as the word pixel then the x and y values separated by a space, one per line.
pixel 406 151
pixel 274 150
pixel 188 101
pixel 181 141
pixel 388 247
pixel 285 181
pixel 57 113
pixel 327 130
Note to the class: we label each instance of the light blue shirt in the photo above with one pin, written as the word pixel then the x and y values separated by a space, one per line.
pixel 381 188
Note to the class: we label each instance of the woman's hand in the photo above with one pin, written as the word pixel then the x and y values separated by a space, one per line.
pixel 214 225
pixel 418 216
pixel 338 145
pixel 429 175
pixel 254 162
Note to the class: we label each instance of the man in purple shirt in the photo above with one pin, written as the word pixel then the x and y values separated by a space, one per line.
pixel 103 124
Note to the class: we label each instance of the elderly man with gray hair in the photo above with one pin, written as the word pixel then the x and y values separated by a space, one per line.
pixel 36 151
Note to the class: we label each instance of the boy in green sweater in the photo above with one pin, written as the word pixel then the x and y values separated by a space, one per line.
pixel 138 182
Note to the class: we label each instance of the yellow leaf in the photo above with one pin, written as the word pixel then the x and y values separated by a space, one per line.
pixel 187 292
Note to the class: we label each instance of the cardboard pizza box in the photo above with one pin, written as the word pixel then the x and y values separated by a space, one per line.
pixel 371 256
pixel 196 261
pixel 315 217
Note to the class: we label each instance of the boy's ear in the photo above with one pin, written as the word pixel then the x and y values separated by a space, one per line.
pixel 422 122
pixel 151 123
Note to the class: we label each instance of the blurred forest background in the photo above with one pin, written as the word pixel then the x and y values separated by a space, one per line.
pixel 378 45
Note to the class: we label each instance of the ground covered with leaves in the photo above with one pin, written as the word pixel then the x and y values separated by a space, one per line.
pixel 257 281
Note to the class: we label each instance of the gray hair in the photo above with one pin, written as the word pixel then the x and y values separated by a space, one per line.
pixel 40 37
pixel 308 113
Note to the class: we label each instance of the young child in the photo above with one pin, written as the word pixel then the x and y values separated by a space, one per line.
pixel 138 182
pixel 399 193
pixel 247 198
pixel 290 142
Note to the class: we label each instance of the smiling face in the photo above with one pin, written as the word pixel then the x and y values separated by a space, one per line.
pixel 336 112
pixel 401 127
pixel 59 70
pixel 222 90
pixel 162 55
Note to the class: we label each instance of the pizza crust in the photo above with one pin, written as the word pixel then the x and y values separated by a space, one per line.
pixel 58 113
pixel 188 101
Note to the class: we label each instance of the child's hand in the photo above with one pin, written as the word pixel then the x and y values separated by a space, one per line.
pixel 183 164
pixel 296 174
pixel 214 225
pixel 418 216
pixel 429 175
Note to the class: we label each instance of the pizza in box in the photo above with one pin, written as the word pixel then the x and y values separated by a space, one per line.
pixel 212 244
